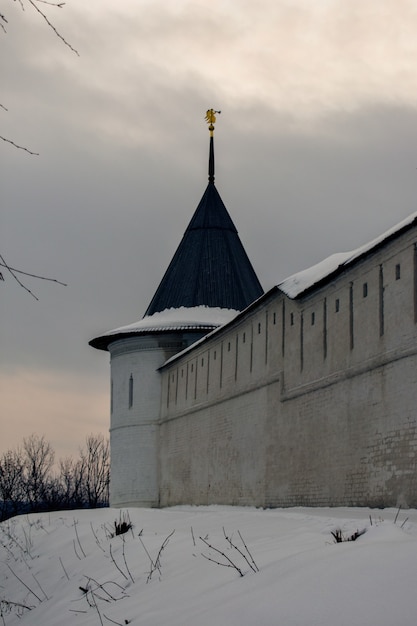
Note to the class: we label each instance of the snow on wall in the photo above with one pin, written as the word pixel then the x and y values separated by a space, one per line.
pixel 301 281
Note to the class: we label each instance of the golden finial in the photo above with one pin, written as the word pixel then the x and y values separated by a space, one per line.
pixel 211 119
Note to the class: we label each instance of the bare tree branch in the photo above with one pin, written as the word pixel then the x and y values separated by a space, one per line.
pixel 53 280
pixel 13 272
pixel 53 4
pixel 16 145
pixel 3 21
pixel 57 33
pixel 16 279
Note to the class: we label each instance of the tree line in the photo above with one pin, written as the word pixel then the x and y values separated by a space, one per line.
pixel 30 482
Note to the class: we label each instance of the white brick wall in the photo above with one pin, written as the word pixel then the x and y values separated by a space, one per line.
pixel 318 408
pixel 135 415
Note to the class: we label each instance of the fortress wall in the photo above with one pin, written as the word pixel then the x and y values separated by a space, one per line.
pixel 229 364
pixel 215 454
pixel 400 304
pixel 318 408
pixel 353 443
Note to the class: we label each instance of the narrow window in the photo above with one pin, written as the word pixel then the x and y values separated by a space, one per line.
pixel 228 347
pixel 351 317
pixel 202 362
pixel 313 318
pixel 381 301
pixel 221 364
pixel 266 337
pixel 244 337
pixel 274 318
pixel 130 391
pixel 337 305
pixel 182 373
pixel 397 271
pixel 292 319
pixel 214 355
pixel 365 289
pixel 236 355
pixel 415 282
pixel 259 328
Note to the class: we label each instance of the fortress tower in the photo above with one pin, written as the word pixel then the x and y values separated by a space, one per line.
pixel 209 280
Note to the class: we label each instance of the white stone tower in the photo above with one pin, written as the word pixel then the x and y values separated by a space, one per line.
pixel 209 280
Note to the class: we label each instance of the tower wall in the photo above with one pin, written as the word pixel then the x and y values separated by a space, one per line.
pixel 135 409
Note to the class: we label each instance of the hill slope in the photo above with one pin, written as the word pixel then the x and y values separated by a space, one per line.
pixel 64 568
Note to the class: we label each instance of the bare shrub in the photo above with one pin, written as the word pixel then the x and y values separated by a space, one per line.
pixel 236 553
pixel 122 525
pixel 339 537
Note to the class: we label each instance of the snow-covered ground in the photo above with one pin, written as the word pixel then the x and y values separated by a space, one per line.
pixel 67 569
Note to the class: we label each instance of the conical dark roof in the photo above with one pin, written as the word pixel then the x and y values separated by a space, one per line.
pixel 210 266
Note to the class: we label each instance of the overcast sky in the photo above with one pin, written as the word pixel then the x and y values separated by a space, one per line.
pixel 316 153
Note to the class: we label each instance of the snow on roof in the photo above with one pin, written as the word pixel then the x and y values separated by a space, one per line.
pixel 296 284
pixel 211 318
pixel 182 318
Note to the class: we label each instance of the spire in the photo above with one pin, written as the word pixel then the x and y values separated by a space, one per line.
pixel 211 161
pixel 211 120
pixel 210 266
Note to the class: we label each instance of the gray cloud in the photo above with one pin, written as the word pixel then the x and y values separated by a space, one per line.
pixel 306 164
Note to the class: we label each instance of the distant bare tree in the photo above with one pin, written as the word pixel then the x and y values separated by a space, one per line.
pixel 71 478
pixel 96 462
pixel 38 461
pixel 12 493
pixel 28 482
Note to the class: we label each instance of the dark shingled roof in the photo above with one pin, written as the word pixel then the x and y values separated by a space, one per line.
pixel 210 266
